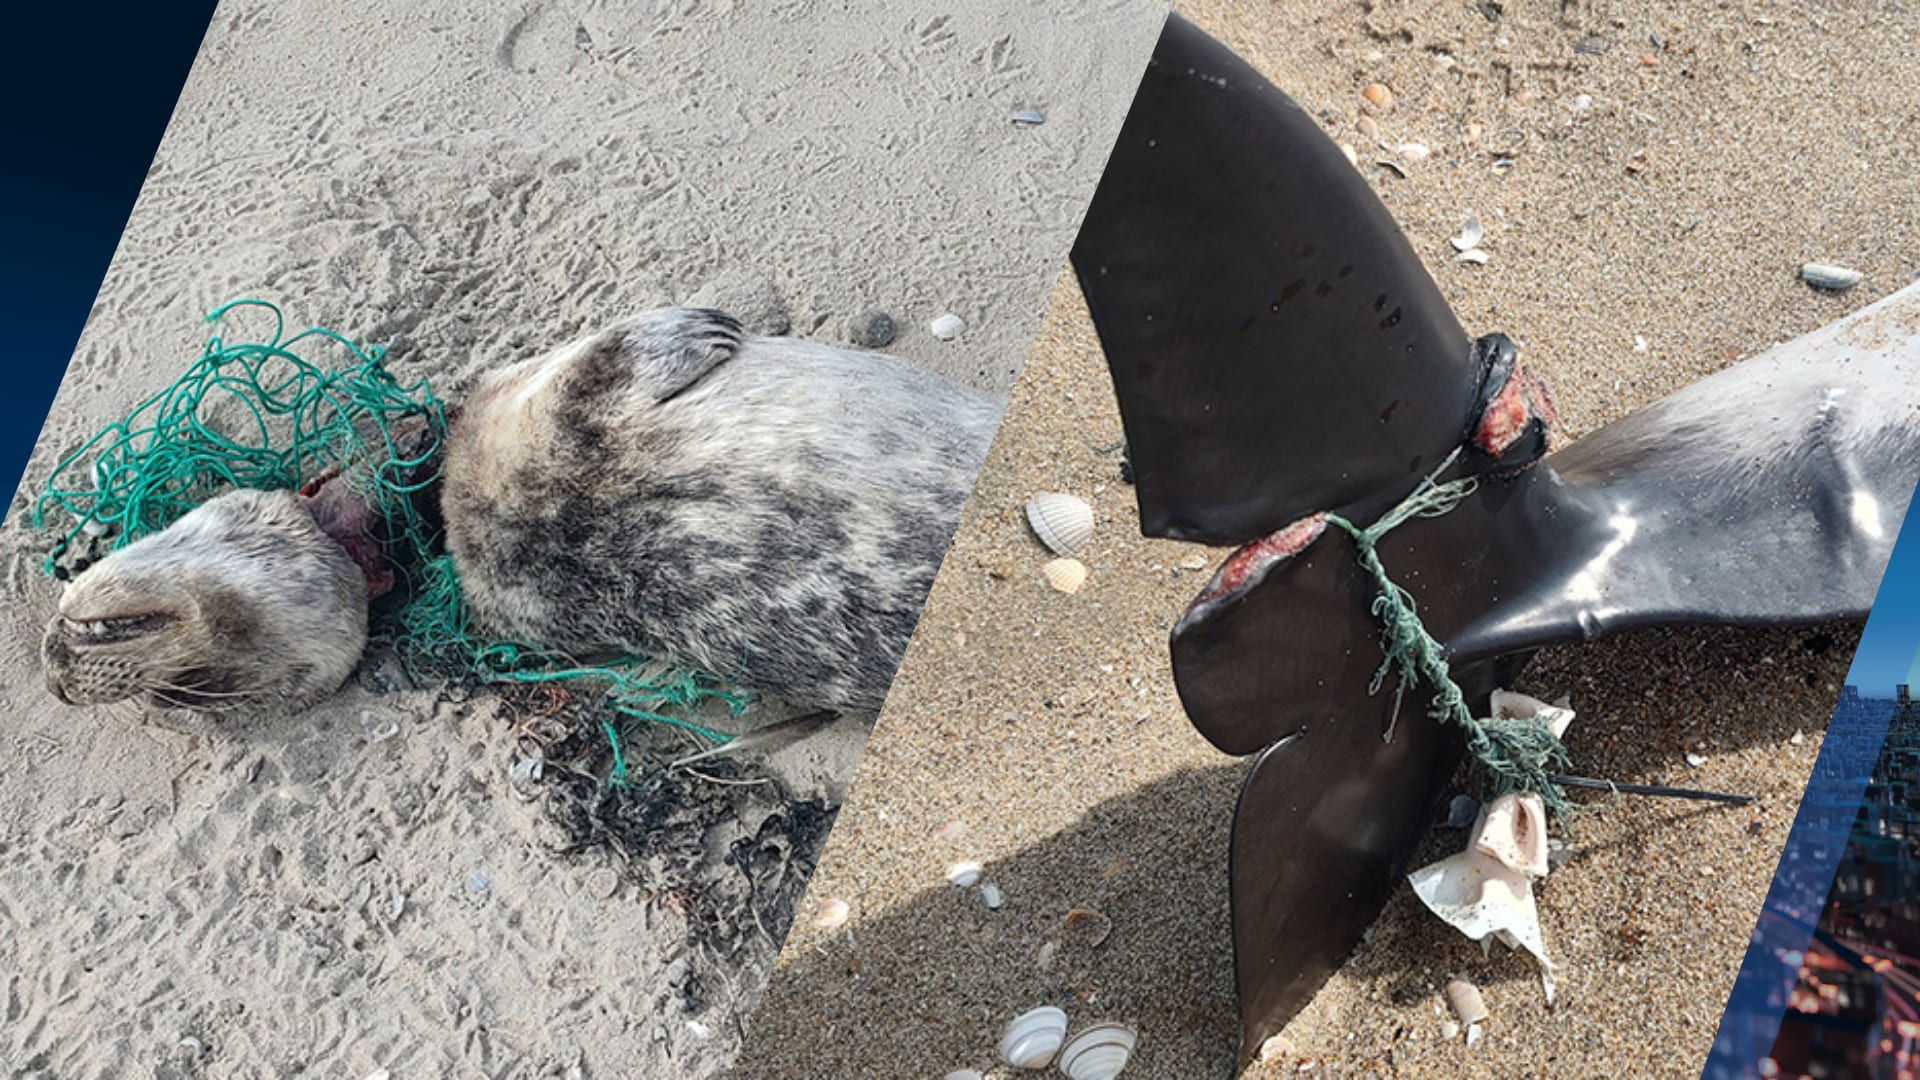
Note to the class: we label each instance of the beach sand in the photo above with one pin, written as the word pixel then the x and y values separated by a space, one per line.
pixel 1670 175
pixel 357 888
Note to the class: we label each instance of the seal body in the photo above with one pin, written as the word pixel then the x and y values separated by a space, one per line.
pixel 769 510
pixel 766 509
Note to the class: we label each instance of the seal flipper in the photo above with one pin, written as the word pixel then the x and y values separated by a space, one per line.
pixel 1276 345
pixel 667 350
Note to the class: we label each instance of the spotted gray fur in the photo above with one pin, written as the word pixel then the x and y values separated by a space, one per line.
pixel 766 509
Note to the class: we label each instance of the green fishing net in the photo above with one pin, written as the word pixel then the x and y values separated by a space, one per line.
pixel 258 414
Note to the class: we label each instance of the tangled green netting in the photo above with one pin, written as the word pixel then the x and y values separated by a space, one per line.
pixel 296 421
pixel 1515 752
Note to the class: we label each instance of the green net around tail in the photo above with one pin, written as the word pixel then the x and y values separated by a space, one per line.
pixel 258 414
pixel 1516 753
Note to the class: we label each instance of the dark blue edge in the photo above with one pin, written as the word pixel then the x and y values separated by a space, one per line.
pixel 1804 875
pixel 89 95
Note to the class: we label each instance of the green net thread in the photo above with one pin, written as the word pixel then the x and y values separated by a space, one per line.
pixel 1516 752
pixel 298 421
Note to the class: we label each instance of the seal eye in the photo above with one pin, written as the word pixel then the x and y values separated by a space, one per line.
pixel 111 630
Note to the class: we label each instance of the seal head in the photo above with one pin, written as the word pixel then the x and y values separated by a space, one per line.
pixel 244 603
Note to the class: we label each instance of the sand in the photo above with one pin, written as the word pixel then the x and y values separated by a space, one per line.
pixel 1646 235
pixel 472 184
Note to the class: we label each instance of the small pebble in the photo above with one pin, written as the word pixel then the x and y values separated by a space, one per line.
pixel 872 329
pixel 990 896
pixel 603 883
pixel 1462 811
pixel 1194 562
pixel 677 972
pixel 1696 760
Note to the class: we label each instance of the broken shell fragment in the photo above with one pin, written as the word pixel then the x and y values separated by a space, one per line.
pixel 1033 1038
pixel 990 896
pixel 1062 522
pixel 1830 277
pixel 1486 891
pixel 1066 575
pixel 1507 705
pixel 1085 927
pixel 1098 1053
pixel 964 875
pixel 1030 117
pixel 1467 1004
pixel 1470 236
pixel 1477 256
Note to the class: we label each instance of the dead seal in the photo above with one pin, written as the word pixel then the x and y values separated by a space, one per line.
pixel 769 510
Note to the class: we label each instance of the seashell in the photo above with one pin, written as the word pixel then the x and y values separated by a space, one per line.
pixel 1507 705
pixel 1378 96
pixel 1466 1001
pixel 1066 575
pixel 831 915
pixel 1470 236
pixel 603 883
pixel 1352 155
pixel 1085 927
pixel 1099 1052
pixel 1034 1037
pixel 1414 151
pixel 1370 128
pixel 1393 167
pixel 524 778
pixel 948 326
pixel 1830 277
pixel 1062 522
pixel 990 896
pixel 1029 116
pixel 1696 760
pixel 964 875
pixel 1477 256
pixel 965 1074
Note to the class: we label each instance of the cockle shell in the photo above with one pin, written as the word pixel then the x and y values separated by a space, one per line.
pixel 1466 1001
pixel 1034 1037
pixel 1066 575
pixel 1099 1052
pixel 1062 522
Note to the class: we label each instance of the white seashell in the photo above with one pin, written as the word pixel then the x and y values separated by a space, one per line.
pixel 1414 151
pixel 990 896
pixel 1829 276
pixel 1477 257
pixel 1696 760
pixel 1508 705
pixel 1033 1038
pixel 1466 1001
pixel 1029 116
pixel 965 1074
pixel 1486 891
pixel 1470 236
pixel 1474 1032
pixel 948 326
pixel 1099 1052
pixel 964 875
pixel 1066 575
pixel 832 914
pixel 1062 522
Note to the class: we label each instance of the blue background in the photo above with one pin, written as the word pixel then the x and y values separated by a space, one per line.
pixel 86 105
